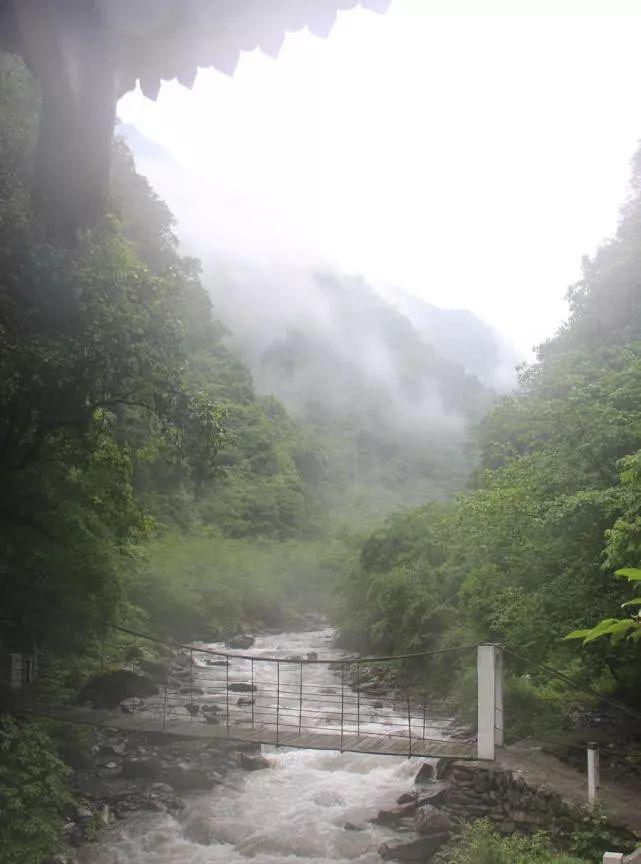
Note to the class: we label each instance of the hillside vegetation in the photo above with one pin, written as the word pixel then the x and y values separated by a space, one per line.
pixel 530 553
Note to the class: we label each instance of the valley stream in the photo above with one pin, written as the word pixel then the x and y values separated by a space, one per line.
pixel 294 812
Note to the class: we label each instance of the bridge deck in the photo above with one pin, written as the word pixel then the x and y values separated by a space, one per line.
pixel 392 745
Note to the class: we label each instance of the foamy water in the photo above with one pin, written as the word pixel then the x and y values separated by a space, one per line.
pixel 295 812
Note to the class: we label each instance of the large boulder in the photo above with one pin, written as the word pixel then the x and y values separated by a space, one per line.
pixel 431 820
pixel 418 851
pixel 241 641
pixel 253 763
pixel 187 778
pixel 109 689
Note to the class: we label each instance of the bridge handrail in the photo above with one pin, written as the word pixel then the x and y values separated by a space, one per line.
pixel 257 657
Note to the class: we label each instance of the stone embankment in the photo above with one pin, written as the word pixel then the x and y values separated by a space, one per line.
pixel 427 815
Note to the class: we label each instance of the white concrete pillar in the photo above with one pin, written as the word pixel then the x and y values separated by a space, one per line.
pixel 498 697
pixel 593 775
pixel 490 700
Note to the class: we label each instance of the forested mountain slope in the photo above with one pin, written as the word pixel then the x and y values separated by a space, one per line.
pixel 388 411
pixel 530 553
pixel 390 415
pixel 128 427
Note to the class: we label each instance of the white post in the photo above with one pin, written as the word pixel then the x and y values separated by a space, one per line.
pixel 593 775
pixel 613 858
pixel 490 701
pixel 498 697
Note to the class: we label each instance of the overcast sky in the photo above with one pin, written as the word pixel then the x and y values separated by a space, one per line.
pixel 470 159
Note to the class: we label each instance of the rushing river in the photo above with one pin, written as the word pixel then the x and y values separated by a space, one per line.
pixel 293 813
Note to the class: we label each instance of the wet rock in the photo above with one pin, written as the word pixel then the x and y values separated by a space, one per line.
pixel 328 691
pixel 192 707
pixel 109 689
pixel 425 773
pixel 73 833
pixel 378 704
pixel 217 662
pixel 144 768
pixel 245 700
pixel 253 763
pixel 242 687
pixel 407 798
pixel 312 655
pixel 241 641
pixel 393 816
pixel 111 766
pixel 83 814
pixel 420 850
pixel 193 691
pixel 186 778
pixel 350 826
pixel 113 749
pixel 430 820
pixel 156 672
pixel 212 719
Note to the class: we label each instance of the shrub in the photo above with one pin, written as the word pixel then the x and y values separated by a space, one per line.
pixel 33 793
pixel 478 843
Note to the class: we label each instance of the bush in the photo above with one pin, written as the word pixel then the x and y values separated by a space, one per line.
pixel 33 793
pixel 478 843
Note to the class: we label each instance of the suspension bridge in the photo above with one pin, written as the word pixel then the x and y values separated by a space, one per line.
pixel 346 704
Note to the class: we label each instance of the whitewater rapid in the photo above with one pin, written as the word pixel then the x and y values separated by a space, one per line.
pixel 295 812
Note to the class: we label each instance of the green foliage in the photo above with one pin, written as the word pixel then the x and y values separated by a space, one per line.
pixel 478 843
pixel 33 793
pixel 523 557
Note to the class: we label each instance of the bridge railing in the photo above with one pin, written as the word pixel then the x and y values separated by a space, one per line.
pixel 231 690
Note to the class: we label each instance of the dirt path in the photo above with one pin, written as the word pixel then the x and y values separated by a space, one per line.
pixel 620 802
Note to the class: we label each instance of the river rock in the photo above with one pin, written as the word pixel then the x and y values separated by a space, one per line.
pixel 217 662
pixel 245 700
pixel 192 707
pixel 109 689
pixel 145 767
pixel 312 655
pixel 156 672
pixel 253 763
pixel 187 778
pixel 430 820
pixel 407 798
pixel 241 641
pixel 194 691
pixel 350 826
pixel 242 687
pixel 425 773
pixel 394 816
pixel 419 851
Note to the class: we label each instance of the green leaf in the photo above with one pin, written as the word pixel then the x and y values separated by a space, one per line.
pixel 636 601
pixel 632 574
pixel 578 634
pixel 611 629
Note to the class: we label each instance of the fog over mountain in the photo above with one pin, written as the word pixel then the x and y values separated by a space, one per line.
pixel 388 382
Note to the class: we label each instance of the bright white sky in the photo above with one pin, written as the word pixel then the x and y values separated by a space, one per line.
pixel 470 159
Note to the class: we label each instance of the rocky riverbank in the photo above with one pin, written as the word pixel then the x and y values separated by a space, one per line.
pixel 125 773
pixel 447 794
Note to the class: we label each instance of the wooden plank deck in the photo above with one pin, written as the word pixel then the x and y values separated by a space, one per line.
pixel 145 722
